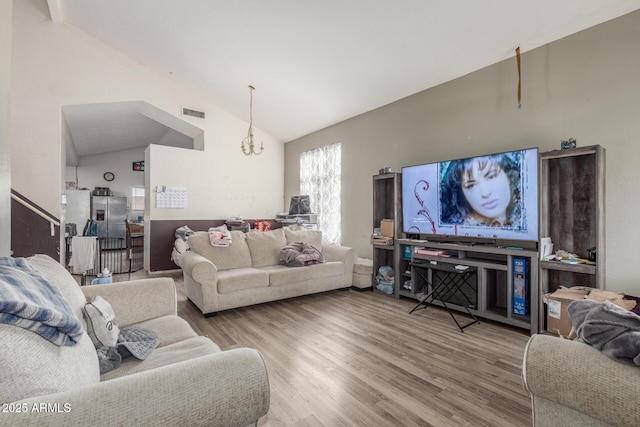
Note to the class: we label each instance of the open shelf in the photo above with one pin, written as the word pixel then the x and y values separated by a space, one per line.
pixel 383 256
pixel 572 214
pixel 387 203
pixel 574 268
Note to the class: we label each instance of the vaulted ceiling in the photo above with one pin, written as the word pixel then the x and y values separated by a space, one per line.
pixel 317 63
pixel 105 127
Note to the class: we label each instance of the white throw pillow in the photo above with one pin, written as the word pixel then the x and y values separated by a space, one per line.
pixel 101 323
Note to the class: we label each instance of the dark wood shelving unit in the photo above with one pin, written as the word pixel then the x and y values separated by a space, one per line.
pixel 572 214
pixel 387 204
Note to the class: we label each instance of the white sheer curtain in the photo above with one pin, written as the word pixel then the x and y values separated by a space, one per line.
pixel 320 178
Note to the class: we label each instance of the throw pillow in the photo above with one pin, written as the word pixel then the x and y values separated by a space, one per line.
pixel 101 323
pixel 265 247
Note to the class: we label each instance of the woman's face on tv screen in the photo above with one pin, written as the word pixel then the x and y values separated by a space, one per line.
pixel 486 188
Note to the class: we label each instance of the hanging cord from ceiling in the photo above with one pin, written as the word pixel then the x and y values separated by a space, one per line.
pixel 519 77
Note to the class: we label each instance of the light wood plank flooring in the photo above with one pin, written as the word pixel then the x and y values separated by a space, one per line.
pixel 346 358
pixel 351 358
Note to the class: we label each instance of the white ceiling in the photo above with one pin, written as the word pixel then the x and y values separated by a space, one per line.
pixel 106 127
pixel 317 63
pixel 120 123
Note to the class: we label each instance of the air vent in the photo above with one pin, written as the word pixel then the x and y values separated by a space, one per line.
pixel 193 113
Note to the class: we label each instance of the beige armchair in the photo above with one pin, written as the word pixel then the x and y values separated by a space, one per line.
pixel 186 380
pixel 573 384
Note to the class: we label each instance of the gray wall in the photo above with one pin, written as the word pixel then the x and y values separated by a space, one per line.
pixel 586 86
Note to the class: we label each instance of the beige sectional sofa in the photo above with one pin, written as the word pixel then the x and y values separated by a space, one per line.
pixel 248 271
pixel 186 380
pixel 574 384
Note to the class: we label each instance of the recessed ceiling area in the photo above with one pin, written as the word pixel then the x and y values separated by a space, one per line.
pixel 106 127
pixel 317 63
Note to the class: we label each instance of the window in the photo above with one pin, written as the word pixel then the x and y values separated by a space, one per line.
pixel 137 198
pixel 320 178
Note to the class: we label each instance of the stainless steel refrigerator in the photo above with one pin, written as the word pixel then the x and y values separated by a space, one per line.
pixel 110 213
pixel 77 210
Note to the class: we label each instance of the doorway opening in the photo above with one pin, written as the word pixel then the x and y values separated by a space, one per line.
pixel 105 146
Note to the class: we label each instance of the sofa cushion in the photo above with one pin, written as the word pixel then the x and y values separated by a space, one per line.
pixel 170 329
pixel 62 279
pixel 312 237
pixel 240 279
pixel 265 247
pixel 33 366
pixel 283 275
pixel 236 255
pixel 181 351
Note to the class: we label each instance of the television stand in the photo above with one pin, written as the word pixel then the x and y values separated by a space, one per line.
pixel 491 267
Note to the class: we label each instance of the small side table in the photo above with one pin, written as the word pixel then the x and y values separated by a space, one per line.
pixel 451 284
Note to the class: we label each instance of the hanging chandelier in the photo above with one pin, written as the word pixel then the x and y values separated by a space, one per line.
pixel 248 148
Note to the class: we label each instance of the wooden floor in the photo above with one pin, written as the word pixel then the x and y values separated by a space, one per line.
pixel 351 358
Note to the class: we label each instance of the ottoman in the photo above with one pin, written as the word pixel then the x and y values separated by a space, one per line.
pixel 362 273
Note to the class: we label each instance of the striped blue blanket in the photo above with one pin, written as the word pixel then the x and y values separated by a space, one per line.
pixel 30 301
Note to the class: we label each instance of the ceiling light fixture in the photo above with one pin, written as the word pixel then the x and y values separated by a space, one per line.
pixel 249 148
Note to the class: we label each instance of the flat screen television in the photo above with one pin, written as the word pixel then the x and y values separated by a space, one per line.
pixel 484 198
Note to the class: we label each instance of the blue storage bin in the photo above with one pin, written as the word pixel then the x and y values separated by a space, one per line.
pixel 407 251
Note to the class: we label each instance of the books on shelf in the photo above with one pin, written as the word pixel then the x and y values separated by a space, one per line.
pixel 377 239
pixel 427 251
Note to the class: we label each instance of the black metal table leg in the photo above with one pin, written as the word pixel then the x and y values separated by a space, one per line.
pixel 450 285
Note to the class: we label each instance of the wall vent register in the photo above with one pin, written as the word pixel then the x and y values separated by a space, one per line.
pixel 193 113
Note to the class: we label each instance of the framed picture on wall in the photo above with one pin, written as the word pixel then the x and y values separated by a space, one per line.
pixel 138 166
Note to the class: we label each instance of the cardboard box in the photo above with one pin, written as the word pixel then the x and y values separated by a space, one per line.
pixel 136 228
pixel 558 321
pixel 616 298
pixel 386 227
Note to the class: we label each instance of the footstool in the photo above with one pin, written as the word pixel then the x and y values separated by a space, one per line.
pixel 362 273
